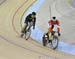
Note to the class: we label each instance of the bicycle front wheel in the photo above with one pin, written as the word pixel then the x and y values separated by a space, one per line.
pixel 54 42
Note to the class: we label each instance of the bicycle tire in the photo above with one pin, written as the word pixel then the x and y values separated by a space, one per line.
pixel 57 40
pixel 44 41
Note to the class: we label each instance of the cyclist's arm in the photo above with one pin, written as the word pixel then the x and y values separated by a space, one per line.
pixel 34 23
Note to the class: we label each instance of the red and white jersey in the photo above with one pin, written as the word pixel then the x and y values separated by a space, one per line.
pixel 56 25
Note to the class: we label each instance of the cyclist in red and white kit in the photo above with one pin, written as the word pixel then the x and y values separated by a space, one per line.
pixel 54 23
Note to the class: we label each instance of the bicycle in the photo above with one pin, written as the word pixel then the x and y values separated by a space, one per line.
pixel 27 31
pixel 54 42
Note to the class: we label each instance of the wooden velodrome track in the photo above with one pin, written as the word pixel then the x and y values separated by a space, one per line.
pixel 14 47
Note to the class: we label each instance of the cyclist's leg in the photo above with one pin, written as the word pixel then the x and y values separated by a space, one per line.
pixel 29 26
pixel 51 37
pixel 50 34
pixel 23 30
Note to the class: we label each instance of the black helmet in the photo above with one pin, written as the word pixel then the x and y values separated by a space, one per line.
pixel 54 17
pixel 34 13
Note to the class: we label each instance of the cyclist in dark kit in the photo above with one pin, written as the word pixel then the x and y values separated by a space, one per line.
pixel 29 18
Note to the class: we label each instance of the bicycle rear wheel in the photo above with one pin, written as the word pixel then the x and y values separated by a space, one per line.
pixel 44 41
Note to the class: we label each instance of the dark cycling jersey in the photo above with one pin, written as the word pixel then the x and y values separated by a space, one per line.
pixel 30 19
